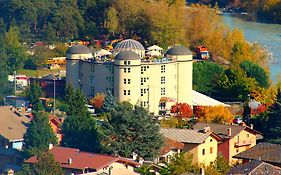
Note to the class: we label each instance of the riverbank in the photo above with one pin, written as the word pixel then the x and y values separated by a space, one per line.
pixel 268 35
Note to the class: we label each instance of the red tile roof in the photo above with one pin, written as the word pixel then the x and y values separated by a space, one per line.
pixel 169 145
pixel 82 160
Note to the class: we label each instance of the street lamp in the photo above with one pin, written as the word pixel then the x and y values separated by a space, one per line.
pixel 54 95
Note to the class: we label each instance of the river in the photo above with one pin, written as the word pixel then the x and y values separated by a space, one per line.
pixel 268 35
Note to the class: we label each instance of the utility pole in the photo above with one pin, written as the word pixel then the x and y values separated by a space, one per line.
pixel 54 94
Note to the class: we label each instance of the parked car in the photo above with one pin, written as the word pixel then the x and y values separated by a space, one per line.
pixel 238 120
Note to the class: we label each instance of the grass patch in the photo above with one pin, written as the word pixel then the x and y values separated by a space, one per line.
pixel 39 72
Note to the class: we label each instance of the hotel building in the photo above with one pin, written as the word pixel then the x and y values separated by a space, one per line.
pixel 154 83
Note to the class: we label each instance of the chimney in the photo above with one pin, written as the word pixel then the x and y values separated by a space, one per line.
pixel 202 171
pixel 51 146
pixel 251 126
pixel 69 161
pixel 207 129
pixel 229 132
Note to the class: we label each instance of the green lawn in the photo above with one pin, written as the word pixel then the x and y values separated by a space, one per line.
pixel 38 73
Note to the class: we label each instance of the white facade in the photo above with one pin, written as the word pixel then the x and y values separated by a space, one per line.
pixel 145 82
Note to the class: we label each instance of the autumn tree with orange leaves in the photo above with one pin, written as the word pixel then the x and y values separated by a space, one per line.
pixel 213 114
pixel 97 101
pixel 181 110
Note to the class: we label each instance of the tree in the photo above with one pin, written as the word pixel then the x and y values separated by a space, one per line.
pixel 50 34
pixel 205 74
pixel 145 170
pixel 16 53
pixel 214 114
pixel 255 71
pixel 180 163
pixel 220 165
pixel 112 20
pixel 75 101
pixel 79 128
pixel 182 110
pixel 131 130
pixel 39 135
pixel 97 101
pixel 273 121
pixel 235 85
pixel 47 165
pixel 33 93
pixel 109 103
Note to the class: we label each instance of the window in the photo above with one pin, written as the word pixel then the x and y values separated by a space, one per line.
pixel 124 92
pixel 92 68
pixel 141 81
pixel 142 92
pixel 92 90
pixel 163 91
pixel 129 92
pixel 129 70
pixel 125 70
pixel 248 135
pixel 163 68
pixel 203 151
pixel 129 62
pixel 211 150
pixel 125 62
pixel 162 80
pixel 125 81
pixel 129 81
pixel 92 78
pixel 211 140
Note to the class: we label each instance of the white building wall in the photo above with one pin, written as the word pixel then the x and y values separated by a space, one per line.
pixel 145 78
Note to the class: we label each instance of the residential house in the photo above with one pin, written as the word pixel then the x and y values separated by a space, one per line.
pixel 75 162
pixel 235 138
pixel 170 148
pixel 56 123
pixel 12 128
pixel 255 167
pixel 266 152
pixel 202 146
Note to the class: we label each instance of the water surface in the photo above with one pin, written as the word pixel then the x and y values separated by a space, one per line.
pixel 268 35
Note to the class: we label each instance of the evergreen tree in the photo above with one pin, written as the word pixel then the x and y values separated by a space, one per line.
pixel 109 103
pixel 33 93
pixel 75 101
pixel 47 165
pixel 274 121
pixel 131 130
pixel 39 135
pixel 50 34
pixel 79 128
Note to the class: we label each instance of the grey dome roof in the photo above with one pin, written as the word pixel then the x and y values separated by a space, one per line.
pixel 127 55
pixel 179 50
pixel 129 44
pixel 79 49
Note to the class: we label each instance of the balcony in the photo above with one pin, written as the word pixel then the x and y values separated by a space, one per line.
pixel 242 143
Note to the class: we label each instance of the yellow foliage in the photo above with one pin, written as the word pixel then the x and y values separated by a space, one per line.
pixel 216 114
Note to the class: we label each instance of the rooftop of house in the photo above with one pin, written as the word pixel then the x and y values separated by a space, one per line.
pixel 185 135
pixel 222 129
pixel 169 145
pixel 266 152
pixel 72 158
pixel 255 167
pixel 13 127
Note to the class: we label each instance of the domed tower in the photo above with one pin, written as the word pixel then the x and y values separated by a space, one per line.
pixel 127 66
pixel 183 57
pixel 73 55
pixel 130 44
